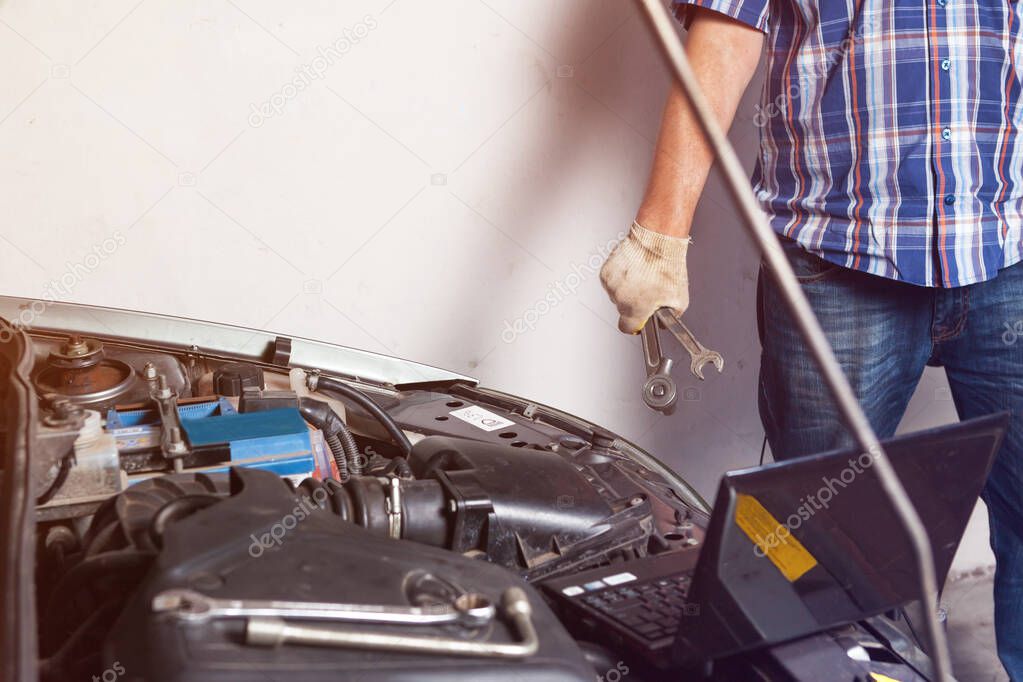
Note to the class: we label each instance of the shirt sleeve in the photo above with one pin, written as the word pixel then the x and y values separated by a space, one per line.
pixel 753 13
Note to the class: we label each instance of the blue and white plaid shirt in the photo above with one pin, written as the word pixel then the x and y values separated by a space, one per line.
pixel 890 132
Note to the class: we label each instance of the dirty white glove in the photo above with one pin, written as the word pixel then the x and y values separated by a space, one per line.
pixel 646 271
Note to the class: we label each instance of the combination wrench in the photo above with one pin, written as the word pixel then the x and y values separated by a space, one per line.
pixel 515 607
pixel 699 354
pixel 468 609
pixel 273 623
pixel 660 391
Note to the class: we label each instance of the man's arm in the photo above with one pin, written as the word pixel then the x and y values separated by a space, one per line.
pixel 647 270
pixel 723 54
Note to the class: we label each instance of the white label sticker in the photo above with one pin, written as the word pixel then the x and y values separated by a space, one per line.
pixel 572 590
pixel 619 578
pixel 482 419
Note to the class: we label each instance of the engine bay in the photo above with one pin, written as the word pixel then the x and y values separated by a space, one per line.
pixel 189 508
pixel 315 512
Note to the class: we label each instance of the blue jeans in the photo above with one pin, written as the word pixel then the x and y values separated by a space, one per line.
pixel 884 333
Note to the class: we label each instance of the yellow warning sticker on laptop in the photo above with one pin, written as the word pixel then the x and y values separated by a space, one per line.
pixel 878 677
pixel 772 539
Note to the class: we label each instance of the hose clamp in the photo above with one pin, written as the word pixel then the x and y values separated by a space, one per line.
pixel 393 505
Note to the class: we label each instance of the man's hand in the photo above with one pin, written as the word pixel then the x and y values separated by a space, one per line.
pixel 648 270
pixel 645 272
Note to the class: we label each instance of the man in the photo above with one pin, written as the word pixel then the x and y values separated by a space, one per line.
pixel 891 166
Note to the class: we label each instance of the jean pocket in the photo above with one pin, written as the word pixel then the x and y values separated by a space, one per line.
pixel 808 267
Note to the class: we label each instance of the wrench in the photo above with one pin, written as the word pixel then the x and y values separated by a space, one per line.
pixel 468 609
pixel 699 354
pixel 514 604
pixel 659 391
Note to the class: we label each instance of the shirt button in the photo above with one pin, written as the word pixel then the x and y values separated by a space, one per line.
pixel 949 199
pixel 942 3
pixel 946 134
pixel 946 64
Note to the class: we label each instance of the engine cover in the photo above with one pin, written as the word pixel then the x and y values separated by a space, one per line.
pixel 265 542
pixel 533 510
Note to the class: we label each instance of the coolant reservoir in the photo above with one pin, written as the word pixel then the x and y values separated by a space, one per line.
pixel 97 469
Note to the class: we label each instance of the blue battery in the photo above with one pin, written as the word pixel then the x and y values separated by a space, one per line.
pixel 275 440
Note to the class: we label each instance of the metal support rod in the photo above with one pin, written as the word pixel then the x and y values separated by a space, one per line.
pixel 778 266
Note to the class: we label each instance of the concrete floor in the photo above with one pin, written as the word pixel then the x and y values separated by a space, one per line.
pixel 971 632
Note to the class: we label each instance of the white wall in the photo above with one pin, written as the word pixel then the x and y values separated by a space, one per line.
pixel 453 167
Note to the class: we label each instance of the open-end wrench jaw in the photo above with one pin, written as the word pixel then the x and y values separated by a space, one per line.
pixel 699 354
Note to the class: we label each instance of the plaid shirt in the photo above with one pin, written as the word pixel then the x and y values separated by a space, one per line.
pixel 889 132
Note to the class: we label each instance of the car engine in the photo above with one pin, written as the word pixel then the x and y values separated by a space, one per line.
pixel 205 518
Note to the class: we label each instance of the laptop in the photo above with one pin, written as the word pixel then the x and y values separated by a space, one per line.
pixel 792 548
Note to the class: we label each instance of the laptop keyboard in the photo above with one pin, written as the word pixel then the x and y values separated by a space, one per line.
pixel 652 609
pixel 639 604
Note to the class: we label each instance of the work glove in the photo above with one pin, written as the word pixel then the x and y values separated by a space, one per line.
pixel 646 271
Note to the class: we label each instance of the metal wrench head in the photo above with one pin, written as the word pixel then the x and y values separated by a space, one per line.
pixel 659 392
pixel 699 354
pixel 701 359
pixel 185 604
pixel 474 608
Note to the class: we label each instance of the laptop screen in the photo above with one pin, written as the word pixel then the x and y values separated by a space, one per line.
pixel 799 546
